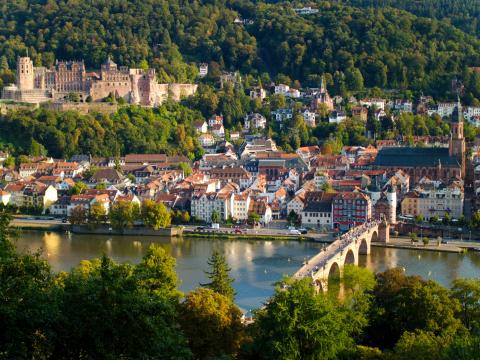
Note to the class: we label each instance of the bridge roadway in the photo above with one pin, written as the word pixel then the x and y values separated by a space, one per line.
pixel 345 250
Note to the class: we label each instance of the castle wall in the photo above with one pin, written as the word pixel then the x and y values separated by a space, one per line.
pixel 179 91
pixel 100 89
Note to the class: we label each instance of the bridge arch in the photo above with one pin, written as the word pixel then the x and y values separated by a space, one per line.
pixel 364 247
pixel 374 236
pixel 334 271
pixel 350 258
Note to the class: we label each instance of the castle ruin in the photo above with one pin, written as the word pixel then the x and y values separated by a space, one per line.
pixel 135 86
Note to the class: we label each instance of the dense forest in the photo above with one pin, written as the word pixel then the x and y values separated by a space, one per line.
pixel 387 48
pixel 464 14
pixel 106 310
pixel 167 129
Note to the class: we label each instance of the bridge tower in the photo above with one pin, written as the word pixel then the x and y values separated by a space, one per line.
pixel 384 231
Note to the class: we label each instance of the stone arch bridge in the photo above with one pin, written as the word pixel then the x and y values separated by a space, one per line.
pixel 345 250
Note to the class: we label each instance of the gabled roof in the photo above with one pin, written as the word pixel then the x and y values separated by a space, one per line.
pixel 415 156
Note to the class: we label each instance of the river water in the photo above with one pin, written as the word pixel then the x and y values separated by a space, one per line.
pixel 256 265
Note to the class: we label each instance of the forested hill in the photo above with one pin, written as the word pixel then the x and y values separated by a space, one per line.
pixel 382 47
pixel 464 14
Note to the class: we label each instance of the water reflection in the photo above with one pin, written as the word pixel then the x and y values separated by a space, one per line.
pixel 256 265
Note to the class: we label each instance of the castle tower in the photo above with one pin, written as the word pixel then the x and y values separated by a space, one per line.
pixel 25 76
pixel 457 141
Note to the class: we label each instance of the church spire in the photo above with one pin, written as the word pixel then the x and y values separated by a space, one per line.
pixel 322 86
pixel 460 110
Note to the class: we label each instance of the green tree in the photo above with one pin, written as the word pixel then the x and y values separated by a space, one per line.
pixel 419 219
pixel 186 168
pixel 434 219
pixel 156 274
pixel 78 215
pixel 475 221
pixel 253 218
pixel 97 214
pixel 467 292
pixel 212 324
pixel 446 219
pixel 219 276
pixel 425 240
pixel 155 214
pixel 9 162
pixel 463 348
pixel 403 303
pixel 101 186
pixel 140 322
pixel 297 323
pixel 185 217
pixel 29 306
pixel 215 217
pixel 422 345
pixel 123 214
pixel 4 63
pixel 292 217
pixel 77 188
pixel 413 237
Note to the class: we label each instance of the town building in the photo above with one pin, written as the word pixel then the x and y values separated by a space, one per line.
pixel 255 121
pixel 336 117
pixel 433 198
pixel 281 115
pixel 360 112
pixel 318 210
pixel 350 209
pixel 206 140
pixel 378 103
pixel 201 126
pixel 241 206
pixel 309 117
pixel 258 93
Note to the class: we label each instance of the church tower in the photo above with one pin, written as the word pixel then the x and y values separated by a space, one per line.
pixel 25 76
pixel 457 141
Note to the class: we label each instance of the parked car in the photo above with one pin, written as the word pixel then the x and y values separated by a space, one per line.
pixel 64 220
pixel 303 230
pixel 295 232
pixel 200 228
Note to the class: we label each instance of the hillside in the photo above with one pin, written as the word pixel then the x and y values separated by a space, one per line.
pixel 464 14
pixel 390 47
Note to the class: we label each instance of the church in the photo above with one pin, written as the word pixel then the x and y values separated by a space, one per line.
pixel 434 162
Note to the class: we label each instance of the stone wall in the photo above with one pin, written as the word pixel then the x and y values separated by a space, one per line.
pixel 136 231
pixel 82 108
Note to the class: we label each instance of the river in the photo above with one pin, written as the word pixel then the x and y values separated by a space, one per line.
pixel 256 265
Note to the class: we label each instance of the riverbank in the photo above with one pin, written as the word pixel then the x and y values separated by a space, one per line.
pixel 450 247
pixel 214 235
pixel 39 225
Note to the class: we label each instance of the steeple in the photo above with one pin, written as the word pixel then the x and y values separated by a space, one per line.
pixel 457 115
pixel 322 86
pixel 457 146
